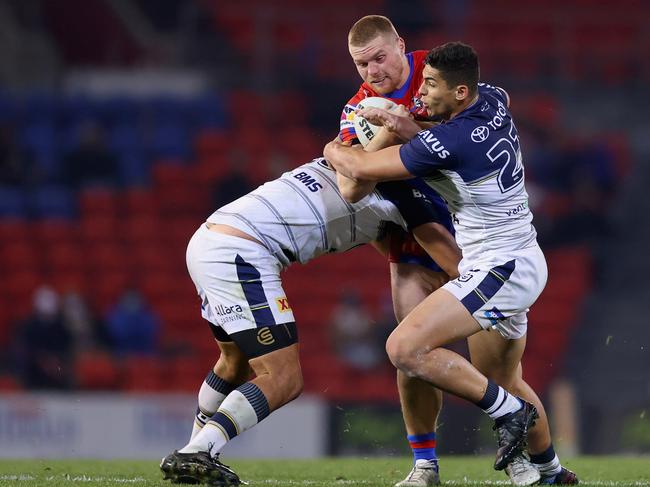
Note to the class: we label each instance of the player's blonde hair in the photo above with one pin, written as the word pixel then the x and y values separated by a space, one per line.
pixel 367 28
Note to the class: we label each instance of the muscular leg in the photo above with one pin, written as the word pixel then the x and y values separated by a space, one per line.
pixel 499 359
pixel 279 375
pixel 415 346
pixel 420 401
pixel 230 371
pixel 278 380
pixel 232 365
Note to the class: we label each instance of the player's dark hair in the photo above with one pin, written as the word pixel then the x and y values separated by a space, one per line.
pixel 457 64
pixel 367 28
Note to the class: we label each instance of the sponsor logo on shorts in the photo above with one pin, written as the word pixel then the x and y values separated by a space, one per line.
pixel 465 277
pixel 229 313
pixel 494 315
pixel 283 305
pixel 265 337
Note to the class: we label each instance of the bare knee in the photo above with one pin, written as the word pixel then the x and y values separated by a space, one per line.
pixel 402 354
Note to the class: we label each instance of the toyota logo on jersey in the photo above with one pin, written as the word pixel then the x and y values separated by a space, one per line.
pixel 480 134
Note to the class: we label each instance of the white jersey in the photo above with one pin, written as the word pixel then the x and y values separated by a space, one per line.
pixel 302 215
pixel 475 163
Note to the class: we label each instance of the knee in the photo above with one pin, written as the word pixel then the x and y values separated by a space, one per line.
pixel 401 353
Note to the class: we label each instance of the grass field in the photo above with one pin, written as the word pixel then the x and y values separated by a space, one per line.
pixel 455 471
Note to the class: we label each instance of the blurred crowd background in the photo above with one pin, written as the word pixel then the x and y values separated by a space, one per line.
pixel 125 123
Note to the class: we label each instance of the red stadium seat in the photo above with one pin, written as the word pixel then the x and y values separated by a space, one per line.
pixel 15 230
pixel 139 203
pixel 186 374
pixel 106 257
pixel 142 374
pixel 55 231
pixel 98 203
pixel 64 257
pixel 93 230
pixel 96 370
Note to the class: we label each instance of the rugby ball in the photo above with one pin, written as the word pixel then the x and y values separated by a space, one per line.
pixel 365 130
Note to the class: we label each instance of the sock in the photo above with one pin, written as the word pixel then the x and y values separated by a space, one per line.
pixel 242 409
pixel 497 402
pixel 547 462
pixel 212 393
pixel 423 447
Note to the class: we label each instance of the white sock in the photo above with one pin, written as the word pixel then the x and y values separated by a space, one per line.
pixel 211 394
pixel 551 468
pixel 242 409
pixel 504 403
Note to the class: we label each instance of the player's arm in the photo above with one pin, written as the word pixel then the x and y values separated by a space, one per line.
pixel 440 245
pixel 397 122
pixel 355 190
pixel 359 165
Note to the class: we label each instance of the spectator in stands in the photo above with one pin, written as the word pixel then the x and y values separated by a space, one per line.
pixel 17 168
pixel 236 183
pixel 43 344
pixel 87 332
pixel 132 326
pixel 354 337
pixel 91 163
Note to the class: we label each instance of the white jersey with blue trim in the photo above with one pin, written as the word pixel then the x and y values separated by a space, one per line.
pixel 474 161
pixel 302 215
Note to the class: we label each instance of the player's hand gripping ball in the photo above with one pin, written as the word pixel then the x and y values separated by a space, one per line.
pixel 364 129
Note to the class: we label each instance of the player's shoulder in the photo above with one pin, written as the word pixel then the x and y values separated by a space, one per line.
pixel 418 56
pixel 490 91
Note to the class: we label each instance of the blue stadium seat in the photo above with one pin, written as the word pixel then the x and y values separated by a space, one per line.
pixel 134 169
pixel 163 109
pixel 76 109
pixel 40 141
pixel 124 139
pixel 40 107
pixel 209 111
pixel 13 202
pixel 170 141
pixel 120 110
pixel 53 202
pixel 8 108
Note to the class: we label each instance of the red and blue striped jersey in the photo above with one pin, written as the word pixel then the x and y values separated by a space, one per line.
pixel 406 95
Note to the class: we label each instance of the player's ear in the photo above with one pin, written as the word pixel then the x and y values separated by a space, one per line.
pixel 462 92
pixel 402 45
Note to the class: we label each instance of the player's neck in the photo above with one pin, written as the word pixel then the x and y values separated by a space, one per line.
pixel 464 106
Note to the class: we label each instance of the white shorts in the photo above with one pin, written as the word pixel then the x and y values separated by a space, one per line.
pixel 498 293
pixel 238 282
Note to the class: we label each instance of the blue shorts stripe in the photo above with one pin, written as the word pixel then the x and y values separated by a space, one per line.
pixel 251 284
pixel 488 287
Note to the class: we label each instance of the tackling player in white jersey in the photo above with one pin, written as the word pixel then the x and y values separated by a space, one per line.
pixel 473 160
pixel 235 260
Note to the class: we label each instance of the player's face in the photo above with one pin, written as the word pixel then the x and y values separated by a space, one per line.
pixel 439 98
pixel 381 63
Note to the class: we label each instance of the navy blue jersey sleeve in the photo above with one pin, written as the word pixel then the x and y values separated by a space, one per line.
pixel 429 151
pixel 413 203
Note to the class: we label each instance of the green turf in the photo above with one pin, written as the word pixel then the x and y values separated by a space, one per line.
pixel 456 471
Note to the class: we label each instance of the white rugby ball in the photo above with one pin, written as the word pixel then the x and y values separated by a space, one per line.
pixel 365 130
